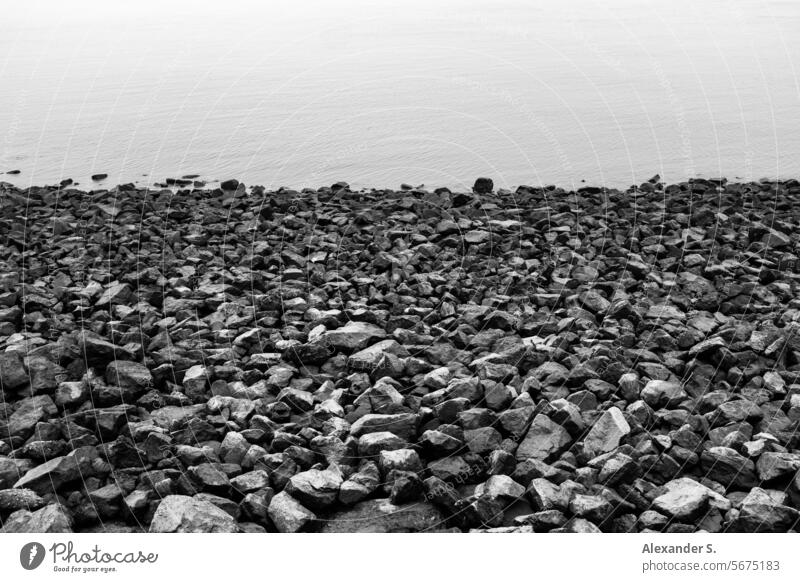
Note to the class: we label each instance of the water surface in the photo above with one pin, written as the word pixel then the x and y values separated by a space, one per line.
pixel 419 91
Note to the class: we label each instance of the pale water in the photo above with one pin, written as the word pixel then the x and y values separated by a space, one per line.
pixel 305 93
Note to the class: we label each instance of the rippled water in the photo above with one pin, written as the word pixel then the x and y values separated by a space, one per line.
pixel 435 92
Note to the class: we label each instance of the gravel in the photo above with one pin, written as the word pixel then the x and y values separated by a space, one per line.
pixel 539 360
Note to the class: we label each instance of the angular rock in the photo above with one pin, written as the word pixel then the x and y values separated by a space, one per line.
pixel 607 433
pixel 288 515
pixel 183 514
pixel 544 441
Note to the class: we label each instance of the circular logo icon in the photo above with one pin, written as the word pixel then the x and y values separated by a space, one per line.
pixel 31 555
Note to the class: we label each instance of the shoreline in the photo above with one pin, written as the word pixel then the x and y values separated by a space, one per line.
pixel 400 360
pixel 195 182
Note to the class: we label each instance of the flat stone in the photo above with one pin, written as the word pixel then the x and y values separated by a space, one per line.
pixel 52 475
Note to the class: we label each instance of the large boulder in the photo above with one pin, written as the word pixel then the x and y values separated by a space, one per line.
pixel 184 514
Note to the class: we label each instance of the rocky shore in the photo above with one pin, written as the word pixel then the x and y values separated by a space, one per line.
pixel 191 359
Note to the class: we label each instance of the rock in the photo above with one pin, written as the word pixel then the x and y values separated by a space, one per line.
pixel 382 398
pixel 11 470
pixel 665 312
pixel 377 357
pixel 579 525
pixel 619 468
pixel 543 521
pixel 454 468
pixel 310 353
pixel 477 237
pixel 210 477
pixel 501 487
pixel 406 487
pixel 233 448
pixel 315 489
pixel 776 239
pixel 12 371
pixel 401 460
pixel 52 475
pixel 545 440
pixel 482 440
pixel 372 444
pixel 707 346
pixel 71 394
pixel 298 400
pixel 16 499
pixel 382 516
pixel 483 186
pixel 195 381
pixel 115 294
pixel 49 519
pixel 136 378
pixel 772 466
pixel 658 393
pixel 607 433
pixel 436 444
pixel 686 500
pixel 761 511
pixel 591 507
pixel 136 503
pixel 353 336
pixel 106 500
pixel 402 425
pixel 726 466
pixel 288 515
pixel 183 514
pixel 361 484
pixel 652 520
pixel 32 410
pixel 250 482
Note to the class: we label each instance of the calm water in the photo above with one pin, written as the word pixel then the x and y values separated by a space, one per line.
pixel 305 93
